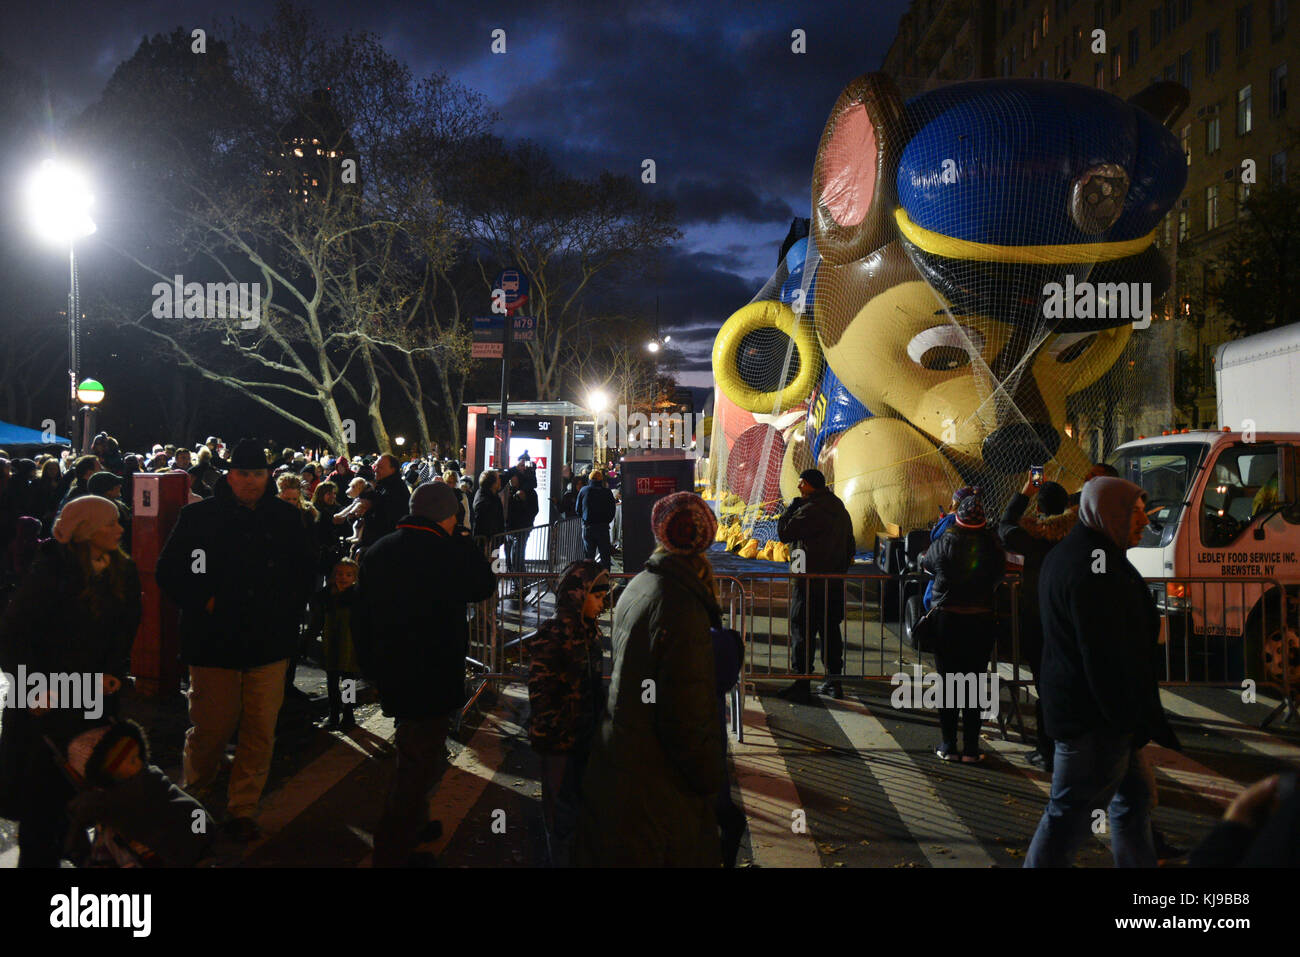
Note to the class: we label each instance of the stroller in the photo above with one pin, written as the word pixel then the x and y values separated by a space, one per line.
pixel 90 842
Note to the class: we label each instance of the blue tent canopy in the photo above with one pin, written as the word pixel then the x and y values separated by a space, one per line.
pixel 17 435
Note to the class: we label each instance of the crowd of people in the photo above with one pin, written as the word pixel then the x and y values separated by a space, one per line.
pixel 634 772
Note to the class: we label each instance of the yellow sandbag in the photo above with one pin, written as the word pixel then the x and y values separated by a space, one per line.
pixel 765 553
pixel 780 551
pixel 750 550
pixel 722 534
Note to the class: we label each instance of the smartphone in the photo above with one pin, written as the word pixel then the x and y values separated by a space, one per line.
pixel 1036 475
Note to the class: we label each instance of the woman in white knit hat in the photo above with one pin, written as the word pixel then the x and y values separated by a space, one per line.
pixel 75 614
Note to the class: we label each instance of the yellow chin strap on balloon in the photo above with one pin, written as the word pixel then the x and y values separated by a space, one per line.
pixel 755 317
pixel 952 248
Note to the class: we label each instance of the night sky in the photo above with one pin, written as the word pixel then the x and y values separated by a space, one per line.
pixel 712 92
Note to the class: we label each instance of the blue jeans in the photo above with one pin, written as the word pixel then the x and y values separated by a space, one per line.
pixel 1091 771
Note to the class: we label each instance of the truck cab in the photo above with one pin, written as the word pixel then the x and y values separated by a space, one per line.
pixel 1224 508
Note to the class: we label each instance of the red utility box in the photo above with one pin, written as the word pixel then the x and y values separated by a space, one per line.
pixel 155 658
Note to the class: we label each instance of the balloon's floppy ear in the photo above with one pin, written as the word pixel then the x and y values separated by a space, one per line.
pixel 853 195
pixel 1164 100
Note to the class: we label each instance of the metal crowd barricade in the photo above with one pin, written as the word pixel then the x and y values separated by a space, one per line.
pixel 500 627
pixel 1223 632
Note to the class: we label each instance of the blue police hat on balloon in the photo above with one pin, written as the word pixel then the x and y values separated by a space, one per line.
pixel 1025 182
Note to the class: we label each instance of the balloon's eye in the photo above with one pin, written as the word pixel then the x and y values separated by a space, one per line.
pixel 944 348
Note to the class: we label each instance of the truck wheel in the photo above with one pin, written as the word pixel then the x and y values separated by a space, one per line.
pixel 912 613
pixel 1281 648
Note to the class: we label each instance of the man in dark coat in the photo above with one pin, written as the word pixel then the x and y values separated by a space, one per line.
pixel 819 527
pixel 489 513
pixel 240 565
pixel 391 502
pixel 1032 536
pixel 1101 699
pixel 411 635
pixel 596 508
pixel 521 512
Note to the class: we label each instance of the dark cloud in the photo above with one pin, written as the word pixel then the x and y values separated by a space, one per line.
pixel 701 201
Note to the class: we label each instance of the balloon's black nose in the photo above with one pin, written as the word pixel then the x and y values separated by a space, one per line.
pixel 1014 448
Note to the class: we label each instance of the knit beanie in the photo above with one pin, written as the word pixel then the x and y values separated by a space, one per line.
pixel 101 482
pixel 970 512
pixel 434 501
pixel 82 517
pixel 683 523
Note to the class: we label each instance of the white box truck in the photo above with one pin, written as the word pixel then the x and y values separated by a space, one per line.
pixel 1225 506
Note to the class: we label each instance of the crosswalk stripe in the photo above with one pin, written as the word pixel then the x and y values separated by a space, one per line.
pixel 936 828
pixel 769 796
pixel 473 769
pixel 1257 740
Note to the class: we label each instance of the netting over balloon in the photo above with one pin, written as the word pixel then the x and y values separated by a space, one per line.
pixel 980 271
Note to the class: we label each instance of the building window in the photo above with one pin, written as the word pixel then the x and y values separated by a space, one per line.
pixel 1186 139
pixel 1244 119
pixel 1006 66
pixel 1243 194
pixel 1183 230
pixel 1277 16
pixel 1115 7
pixel 1034 40
pixel 1099 13
pixel 1277 168
pixel 1187 11
pixel 1171 15
pixel 1157 26
pixel 1244 22
pixel 1170 74
pixel 1277 90
pixel 1057 74
pixel 1099 77
pixel 1116 65
pixel 1045 21
pixel 1211 52
pixel 1133 51
pixel 1185 69
pixel 1212 134
pixel 1211 208
pixel 1167 228
pixel 1078 42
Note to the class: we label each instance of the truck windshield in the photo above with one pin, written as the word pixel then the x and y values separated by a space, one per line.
pixel 1164 472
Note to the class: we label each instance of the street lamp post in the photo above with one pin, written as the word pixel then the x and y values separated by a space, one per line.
pixel 58 207
pixel 89 393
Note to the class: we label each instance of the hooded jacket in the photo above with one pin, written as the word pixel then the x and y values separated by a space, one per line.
pixel 659 759
pixel 409 622
pixel 257 564
pixel 566 688
pixel 1100 627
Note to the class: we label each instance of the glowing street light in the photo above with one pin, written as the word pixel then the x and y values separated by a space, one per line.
pixel 400 441
pixel 90 392
pixel 58 201
pixel 598 400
